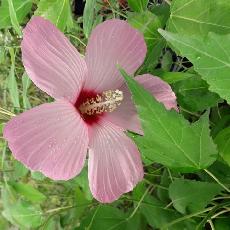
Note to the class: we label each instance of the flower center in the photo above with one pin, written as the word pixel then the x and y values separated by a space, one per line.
pixel 92 106
pixel 108 101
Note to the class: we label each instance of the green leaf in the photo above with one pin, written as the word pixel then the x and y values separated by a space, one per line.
pixel 82 202
pixel 221 171
pixel 1 129
pixel 168 138
pixel 162 193
pixel 57 11
pixel 25 86
pixel 37 175
pixel 138 5
pixel 21 8
pixel 3 223
pixel 222 224
pixel 19 170
pixel 88 17
pixel 12 83
pixel 222 122
pixel 82 181
pixel 171 77
pixel 148 23
pixel 223 143
pixel 210 57
pixel 193 94
pixel 166 61
pixel 192 196
pixel 107 217
pixel 158 216
pixel 29 192
pixel 20 213
pixel 13 18
pixel 162 11
pixel 199 16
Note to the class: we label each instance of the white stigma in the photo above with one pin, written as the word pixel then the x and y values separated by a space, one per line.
pixel 108 101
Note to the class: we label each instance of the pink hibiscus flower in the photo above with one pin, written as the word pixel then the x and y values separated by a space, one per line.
pixel 92 107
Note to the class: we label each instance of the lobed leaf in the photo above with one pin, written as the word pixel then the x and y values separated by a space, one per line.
pixel 192 196
pixel 168 138
pixel 210 57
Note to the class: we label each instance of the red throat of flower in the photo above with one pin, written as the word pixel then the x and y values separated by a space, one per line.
pixel 92 105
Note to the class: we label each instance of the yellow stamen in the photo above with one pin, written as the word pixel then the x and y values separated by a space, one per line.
pixel 108 101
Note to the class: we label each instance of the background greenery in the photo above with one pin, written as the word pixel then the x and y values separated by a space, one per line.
pixel 186 155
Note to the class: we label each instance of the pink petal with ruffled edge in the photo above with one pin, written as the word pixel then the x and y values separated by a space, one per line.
pixel 159 89
pixel 112 42
pixel 114 164
pixel 125 115
pixel 51 61
pixel 51 138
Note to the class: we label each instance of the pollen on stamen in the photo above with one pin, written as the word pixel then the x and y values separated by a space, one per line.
pixel 108 101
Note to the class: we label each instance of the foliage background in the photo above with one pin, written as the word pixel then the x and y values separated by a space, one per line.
pixel 186 155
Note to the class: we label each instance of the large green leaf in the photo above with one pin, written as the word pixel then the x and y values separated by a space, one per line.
pixel 29 192
pixel 21 8
pixel 199 16
pixel 193 94
pixel 209 55
pixel 182 192
pixel 168 138
pixel 20 213
pixel 223 143
pixel 148 23
pixel 57 11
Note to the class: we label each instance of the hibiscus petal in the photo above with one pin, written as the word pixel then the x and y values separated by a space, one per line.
pixel 113 42
pixel 51 138
pixel 114 163
pixel 50 60
pixel 125 115
pixel 159 89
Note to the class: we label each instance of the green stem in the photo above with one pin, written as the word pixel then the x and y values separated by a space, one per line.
pixel 185 218
pixel 78 39
pixel 210 214
pixel 211 225
pixel 149 189
pixel 168 2
pixel 217 180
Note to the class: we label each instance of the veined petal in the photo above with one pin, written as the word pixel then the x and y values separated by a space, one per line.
pixel 51 138
pixel 159 89
pixel 114 162
pixel 112 42
pixel 50 60
pixel 126 117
